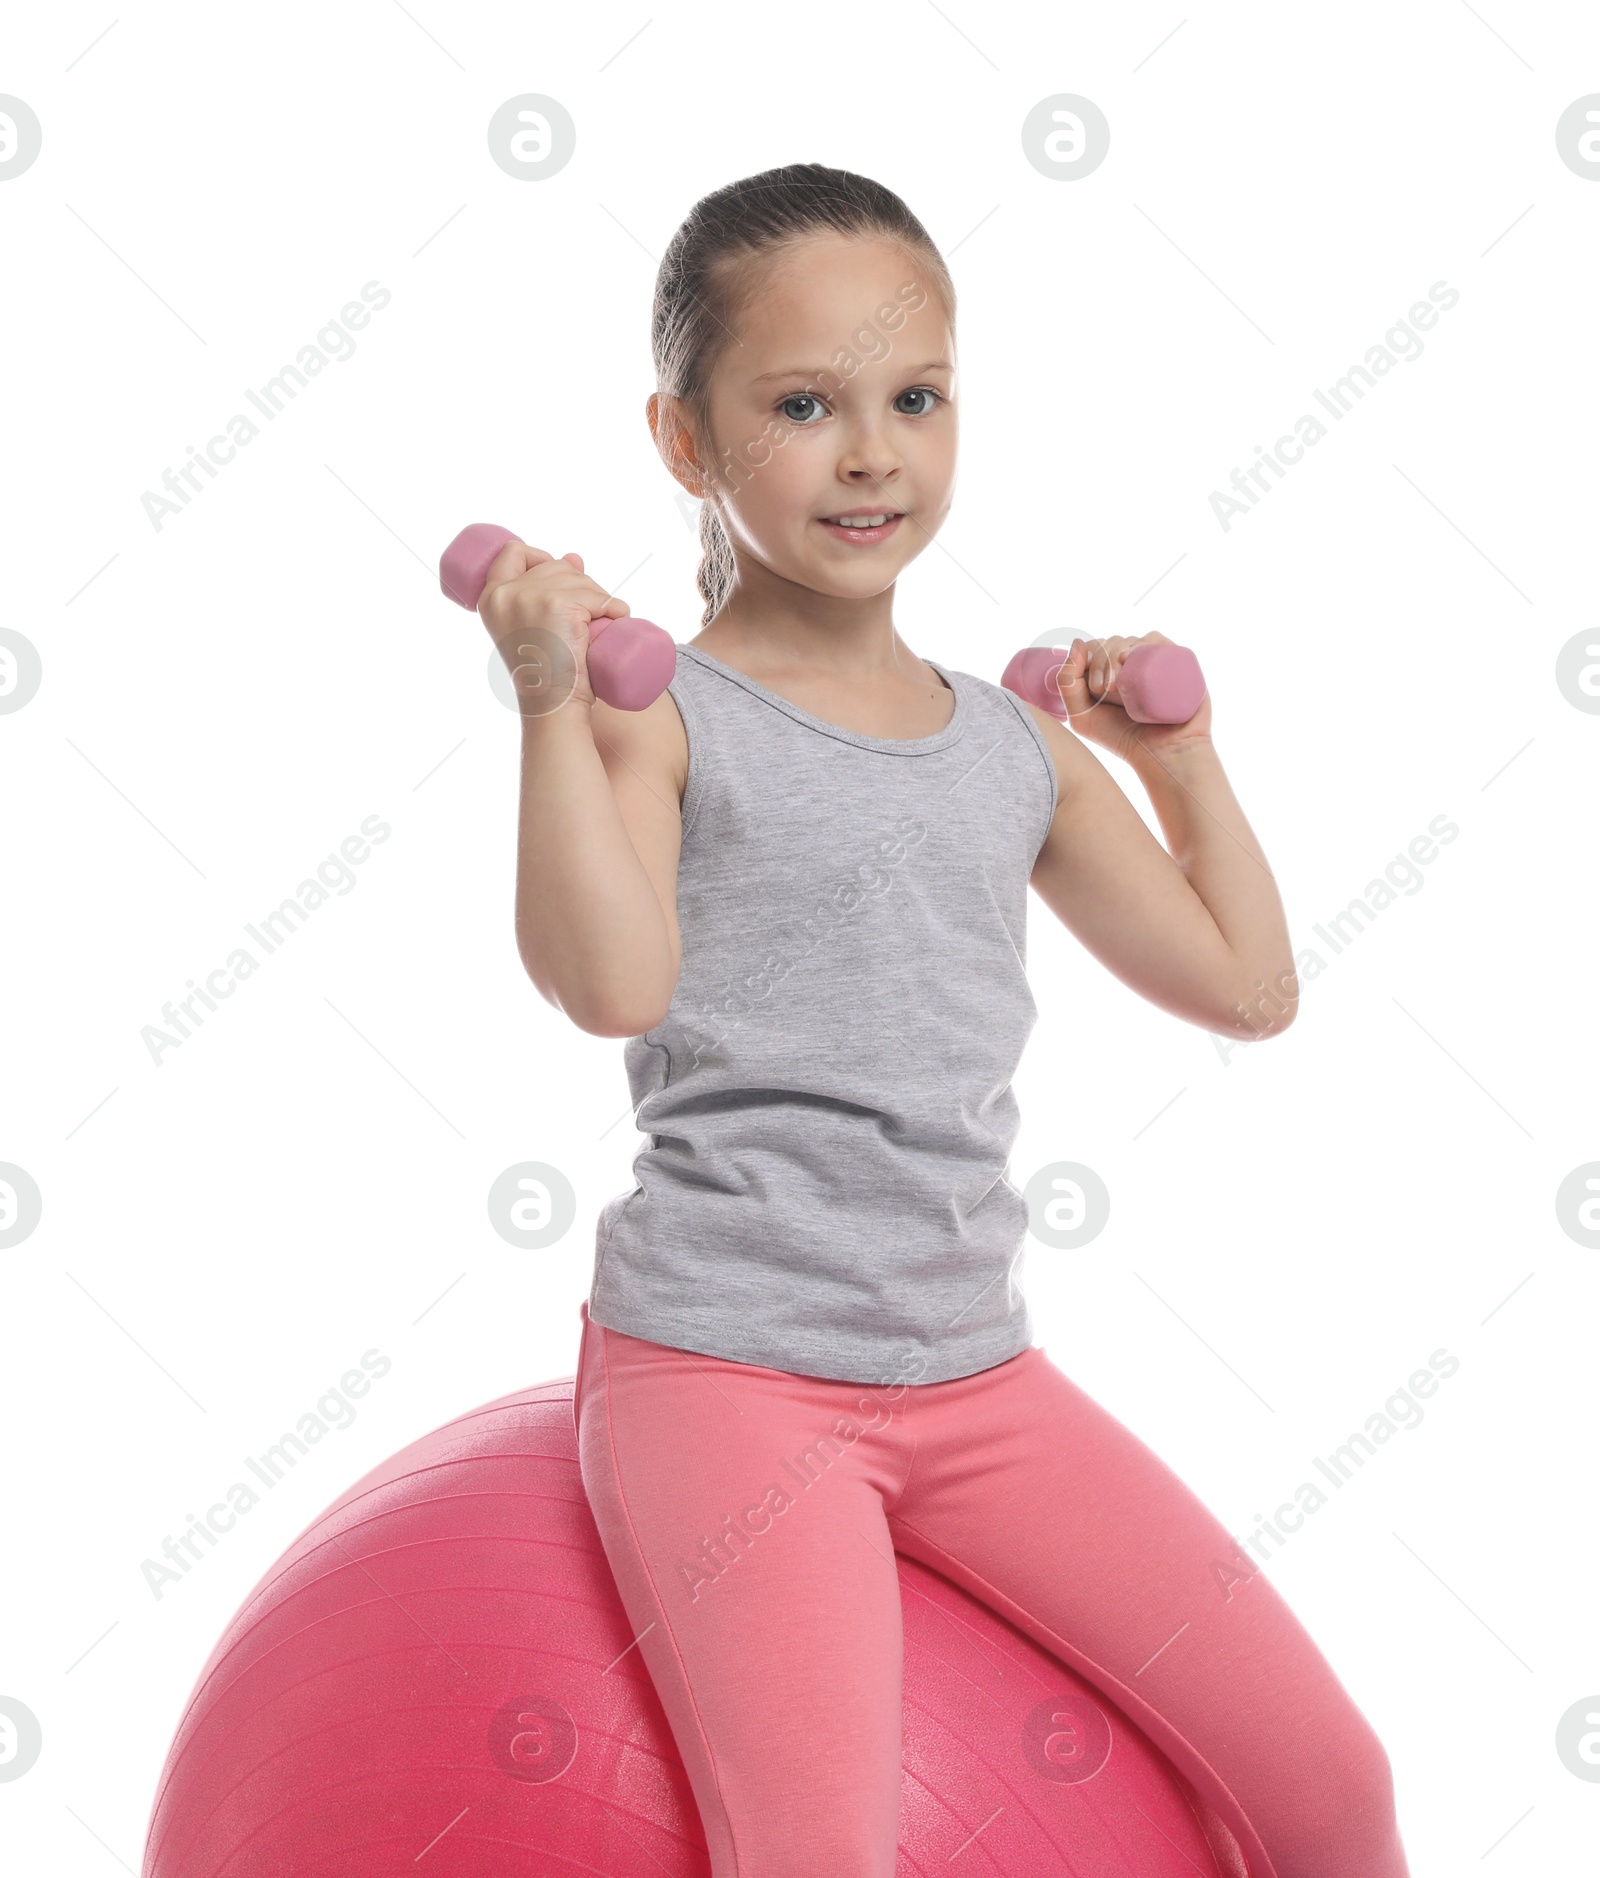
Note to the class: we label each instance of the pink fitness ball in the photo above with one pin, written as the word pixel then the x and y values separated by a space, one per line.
pixel 440 1664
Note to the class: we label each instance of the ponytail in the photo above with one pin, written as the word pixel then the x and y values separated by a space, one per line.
pixel 716 573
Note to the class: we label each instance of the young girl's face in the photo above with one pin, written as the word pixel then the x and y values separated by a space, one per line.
pixel 837 402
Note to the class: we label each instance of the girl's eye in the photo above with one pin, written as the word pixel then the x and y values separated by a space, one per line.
pixel 802 408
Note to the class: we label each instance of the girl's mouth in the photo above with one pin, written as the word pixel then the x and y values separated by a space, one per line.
pixel 863 525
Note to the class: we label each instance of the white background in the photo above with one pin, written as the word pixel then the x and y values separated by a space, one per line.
pixel 1294 1228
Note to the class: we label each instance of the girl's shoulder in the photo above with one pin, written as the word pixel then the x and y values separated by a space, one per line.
pixel 997 705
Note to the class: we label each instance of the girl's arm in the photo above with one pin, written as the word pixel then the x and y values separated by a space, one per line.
pixel 600 825
pixel 598 839
pixel 1200 930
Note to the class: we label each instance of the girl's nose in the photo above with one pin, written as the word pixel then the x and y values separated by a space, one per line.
pixel 870 462
pixel 869 458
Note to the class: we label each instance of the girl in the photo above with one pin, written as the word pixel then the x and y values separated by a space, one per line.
pixel 796 884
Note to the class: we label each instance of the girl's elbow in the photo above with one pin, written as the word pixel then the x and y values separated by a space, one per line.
pixel 613 1012
pixel 618 1021
pixel 610 1017
pixel 1259 1011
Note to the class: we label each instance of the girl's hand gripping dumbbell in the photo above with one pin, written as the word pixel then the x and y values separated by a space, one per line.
pixel 561 635
pixel 1159 684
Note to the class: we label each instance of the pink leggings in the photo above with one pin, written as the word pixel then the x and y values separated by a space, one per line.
pixel 761 1629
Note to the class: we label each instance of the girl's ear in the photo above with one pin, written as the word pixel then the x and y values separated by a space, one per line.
pixel 674 440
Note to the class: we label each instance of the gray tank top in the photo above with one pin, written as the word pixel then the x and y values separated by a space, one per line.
pixel 828 1099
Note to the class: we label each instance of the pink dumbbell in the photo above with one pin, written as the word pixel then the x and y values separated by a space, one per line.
pixel 1155 685
pixel 630 661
